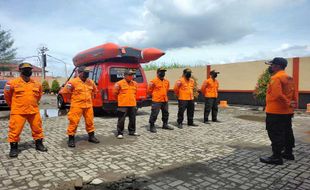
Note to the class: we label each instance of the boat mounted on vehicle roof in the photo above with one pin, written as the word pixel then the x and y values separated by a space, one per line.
pixel 111 52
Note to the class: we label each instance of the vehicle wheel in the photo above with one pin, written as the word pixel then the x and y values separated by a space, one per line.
pixel 60 102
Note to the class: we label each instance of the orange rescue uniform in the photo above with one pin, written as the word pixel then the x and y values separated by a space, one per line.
pixel 126 93
pixel 210 88
pixel 159 89
pixel 280 93
pixel 82 94
pixel 23 98
pixel 184 89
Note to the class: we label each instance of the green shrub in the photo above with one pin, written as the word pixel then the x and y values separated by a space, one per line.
pixel 46 87
pixel 261 88
pixel 174 65
pixel 55 86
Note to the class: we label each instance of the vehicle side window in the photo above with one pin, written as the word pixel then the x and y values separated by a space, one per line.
pixel 97 74
pixel 91 73
pixel 117 74
pixel 2 84
pixel 138 77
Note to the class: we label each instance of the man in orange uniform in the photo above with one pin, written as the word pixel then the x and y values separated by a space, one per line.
pixel 23 95
pixel 125 90
pixel 280 103
pixel 184 90
pixel 159 88
pixel 210 90
pixel 82 91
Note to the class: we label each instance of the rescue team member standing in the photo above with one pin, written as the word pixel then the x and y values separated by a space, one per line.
pixel 210 90
pixel 184 90
pixel 82 91
pixel 125 90
pixel 280 104
pixel 23 95
pixel 158 89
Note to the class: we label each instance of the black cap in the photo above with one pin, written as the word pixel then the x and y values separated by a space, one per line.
pixel 187 70
pixel 214 72
pixel 161 69
pixel 83 69
pixel 129 72
pixel 277 61
pixel 25 65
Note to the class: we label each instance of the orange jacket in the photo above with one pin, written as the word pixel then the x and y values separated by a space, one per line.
pixel 126 93
pixel 82 93
pixel 280 93
pixel 210 88
pixel 23 97
pixel 184 89
pixel 159 90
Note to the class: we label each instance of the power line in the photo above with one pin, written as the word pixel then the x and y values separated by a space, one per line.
pixel 66 71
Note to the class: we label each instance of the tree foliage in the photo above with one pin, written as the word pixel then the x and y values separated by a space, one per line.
pixel 7 52
pixel 46 87
pixel 261 87
pixel 55 86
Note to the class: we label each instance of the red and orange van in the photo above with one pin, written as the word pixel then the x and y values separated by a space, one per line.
pixel 108 63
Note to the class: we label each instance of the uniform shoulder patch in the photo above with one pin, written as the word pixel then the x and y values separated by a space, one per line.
pixel 69 85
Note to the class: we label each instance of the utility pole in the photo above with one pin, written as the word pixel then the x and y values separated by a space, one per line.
pixel 42 51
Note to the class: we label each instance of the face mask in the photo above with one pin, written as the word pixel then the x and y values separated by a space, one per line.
pixel 215 75
pixel 161 74
pixel 85 75
pixel 270 70
pixel 188 75
pixel 27 72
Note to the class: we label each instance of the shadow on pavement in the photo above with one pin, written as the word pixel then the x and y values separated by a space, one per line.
pixel 239 169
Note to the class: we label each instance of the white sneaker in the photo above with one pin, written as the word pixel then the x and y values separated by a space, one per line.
pixel 134 134
pixel 120 136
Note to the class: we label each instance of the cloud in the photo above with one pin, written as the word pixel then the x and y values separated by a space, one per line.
pixel 285 50
pixel 193 23
pixel 288 48
pixel 190 31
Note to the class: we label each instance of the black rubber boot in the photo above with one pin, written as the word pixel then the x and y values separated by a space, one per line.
pixel 92 138
pixel 40 146
pixel 14 150
pixel 288 155
pixel 166 126
pixel 192 124
pixel 180 125
pixel 71 142
pixel 206 121
pixel 153 128
pixel 275 160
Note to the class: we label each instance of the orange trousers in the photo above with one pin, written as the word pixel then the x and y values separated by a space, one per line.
pixel 74 117
pixel 17 122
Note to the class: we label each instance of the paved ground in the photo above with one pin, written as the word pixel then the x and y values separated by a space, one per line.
pixel 217 156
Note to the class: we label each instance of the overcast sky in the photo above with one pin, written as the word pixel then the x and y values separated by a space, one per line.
pixel 189 31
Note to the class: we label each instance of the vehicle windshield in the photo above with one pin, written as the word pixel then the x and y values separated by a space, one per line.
pixel 117 74
pixel 2 84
